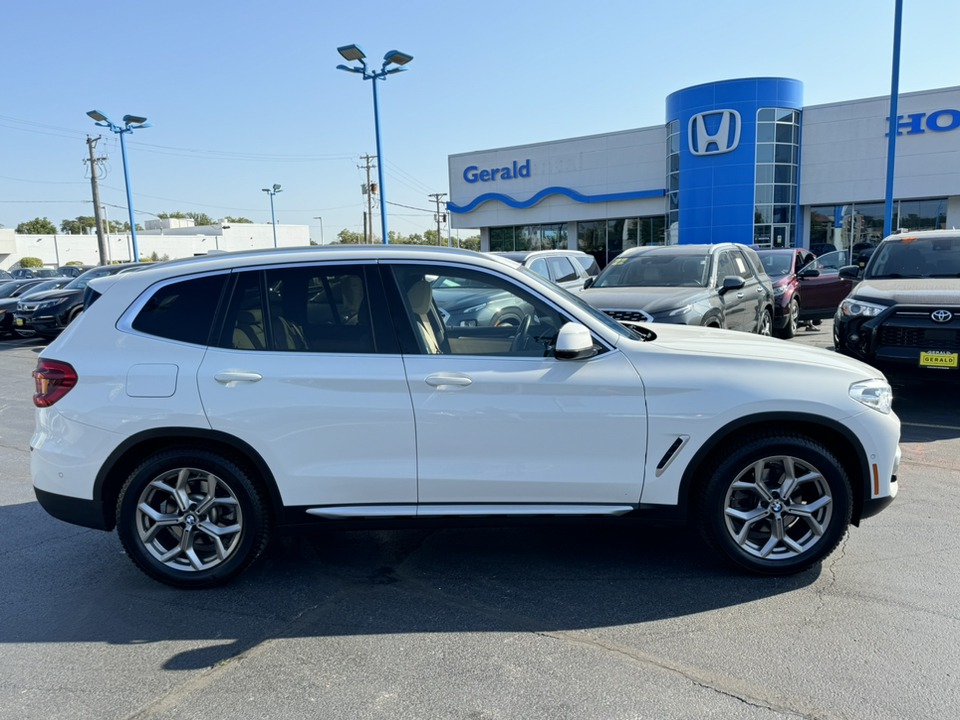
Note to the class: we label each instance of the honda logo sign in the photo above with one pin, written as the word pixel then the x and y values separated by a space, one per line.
pixel 714 132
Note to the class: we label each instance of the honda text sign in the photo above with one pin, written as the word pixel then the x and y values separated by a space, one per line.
pixel 714 132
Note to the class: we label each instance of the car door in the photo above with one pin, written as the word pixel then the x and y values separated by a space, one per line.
pixel 307 371
pixel 733 301
pixel 500 421
pixel 821 294
pixel 755 293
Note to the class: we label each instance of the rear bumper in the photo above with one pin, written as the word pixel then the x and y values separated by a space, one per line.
pixel 88 513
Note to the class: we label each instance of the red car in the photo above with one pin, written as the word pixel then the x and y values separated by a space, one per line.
pixel 805 287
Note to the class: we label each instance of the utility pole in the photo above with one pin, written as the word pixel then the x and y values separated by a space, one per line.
pixel 101 241
pixel 441 217
pixel 369 190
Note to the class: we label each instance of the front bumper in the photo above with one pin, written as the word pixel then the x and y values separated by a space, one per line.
pixel 901 337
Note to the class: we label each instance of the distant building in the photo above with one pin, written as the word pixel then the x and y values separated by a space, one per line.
pixel 738 160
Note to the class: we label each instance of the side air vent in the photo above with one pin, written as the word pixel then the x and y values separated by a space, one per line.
pixel 671 453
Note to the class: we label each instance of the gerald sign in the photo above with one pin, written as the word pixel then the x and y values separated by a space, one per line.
pixel 473 174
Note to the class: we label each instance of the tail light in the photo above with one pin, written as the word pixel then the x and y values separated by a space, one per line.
pixel 54 380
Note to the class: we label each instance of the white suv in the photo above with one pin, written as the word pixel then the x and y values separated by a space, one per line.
pixel 202 405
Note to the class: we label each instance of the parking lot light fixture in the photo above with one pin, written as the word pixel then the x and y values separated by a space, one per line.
pixel 271 191
pixel 130 123
pixel 392 63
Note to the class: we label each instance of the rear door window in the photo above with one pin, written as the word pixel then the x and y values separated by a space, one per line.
pixel 182 310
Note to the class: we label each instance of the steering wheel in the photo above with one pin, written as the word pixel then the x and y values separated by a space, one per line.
pixel 523 333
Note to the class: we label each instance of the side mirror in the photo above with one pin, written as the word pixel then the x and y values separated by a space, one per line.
pixel 574 342
pixel 808 273
pixel 731 282
pixel 850 272
pixel 588 282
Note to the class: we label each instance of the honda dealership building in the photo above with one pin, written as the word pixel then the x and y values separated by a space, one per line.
pixel 738 160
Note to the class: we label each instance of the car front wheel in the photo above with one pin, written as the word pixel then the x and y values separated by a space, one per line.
pixel 776 504
pixel 793 319
pixel 191 518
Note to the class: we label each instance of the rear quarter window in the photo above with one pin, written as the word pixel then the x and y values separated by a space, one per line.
pixel 183 310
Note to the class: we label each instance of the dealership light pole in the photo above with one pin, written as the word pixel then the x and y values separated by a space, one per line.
pixel 321 227
pixel 130 123
pixel 273 216
pixel 894 122
pixel 353 53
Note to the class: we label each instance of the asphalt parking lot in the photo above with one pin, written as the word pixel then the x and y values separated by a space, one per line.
pixel 490 623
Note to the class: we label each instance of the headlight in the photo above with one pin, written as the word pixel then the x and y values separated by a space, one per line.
pixel 875 394
pixel 51 303
pixel 779 290
pixel 858 308
pixel 680 311
pixel 474 309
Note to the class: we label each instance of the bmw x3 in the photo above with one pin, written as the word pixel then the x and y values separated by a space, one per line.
pixel 202 406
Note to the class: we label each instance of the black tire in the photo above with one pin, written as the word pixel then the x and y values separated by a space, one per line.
pixel 793 319
pixel 182 532
pixel 74 314
pixel 741 518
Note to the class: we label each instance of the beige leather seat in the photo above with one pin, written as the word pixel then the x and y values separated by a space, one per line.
pixel 421 303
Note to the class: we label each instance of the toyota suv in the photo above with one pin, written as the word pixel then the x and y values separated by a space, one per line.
pixel 905 311
pixel 201 406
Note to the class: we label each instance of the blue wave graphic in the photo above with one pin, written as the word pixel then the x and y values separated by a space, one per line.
pixel 572 194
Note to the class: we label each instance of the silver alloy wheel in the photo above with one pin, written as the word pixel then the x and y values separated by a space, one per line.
pixel 778 507
pixel 794 320
pixel 189 519
pixel 766 324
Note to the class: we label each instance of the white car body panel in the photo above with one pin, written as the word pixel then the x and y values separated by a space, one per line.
pixel 334 429
pixel 517 432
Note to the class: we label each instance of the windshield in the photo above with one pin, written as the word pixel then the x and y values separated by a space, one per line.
pixel 9 289
pixel 80 282
pixel 597 315
pixel 656 270
pixel 40 287
pixel 777 264
pixel 910 257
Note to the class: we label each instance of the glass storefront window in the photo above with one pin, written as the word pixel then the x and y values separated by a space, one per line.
pixel 501 239
pixel 605 239
pixel 778 137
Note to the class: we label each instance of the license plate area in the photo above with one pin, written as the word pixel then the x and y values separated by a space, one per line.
pixel 939 359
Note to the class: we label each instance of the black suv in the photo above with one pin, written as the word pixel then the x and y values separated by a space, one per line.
pixel 46 314
pixel 905 312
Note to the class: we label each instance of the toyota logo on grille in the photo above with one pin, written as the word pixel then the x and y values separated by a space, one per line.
pixel 941 316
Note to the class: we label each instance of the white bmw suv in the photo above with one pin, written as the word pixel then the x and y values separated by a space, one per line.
pixel 202 405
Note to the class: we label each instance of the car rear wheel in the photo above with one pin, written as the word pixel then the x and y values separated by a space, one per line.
pixel 776 504
pixel 191 518
pixel 766 324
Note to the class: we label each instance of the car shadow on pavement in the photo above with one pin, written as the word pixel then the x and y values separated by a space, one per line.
pixel 76 585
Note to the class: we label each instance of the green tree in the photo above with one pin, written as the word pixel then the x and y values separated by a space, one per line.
pixel 198 218
pixel 79 225
pixel 348 237
pixel 470 243
pixel 37 226
pixel 31 262
pixel 238 220
pixel 125 227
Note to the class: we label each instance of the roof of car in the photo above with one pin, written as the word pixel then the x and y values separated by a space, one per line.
pixel 521 255
pixel 699 249
pixel 923 234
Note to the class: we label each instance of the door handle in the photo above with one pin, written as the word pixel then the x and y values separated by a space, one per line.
pixel 230 377
pixel 740 296
pixel 440 379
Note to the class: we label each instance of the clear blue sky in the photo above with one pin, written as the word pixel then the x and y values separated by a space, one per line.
pixel 243 94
